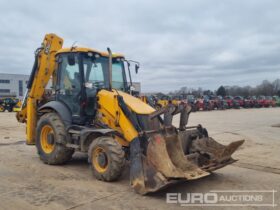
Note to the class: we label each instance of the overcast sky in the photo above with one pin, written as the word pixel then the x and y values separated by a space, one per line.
pixel 178 43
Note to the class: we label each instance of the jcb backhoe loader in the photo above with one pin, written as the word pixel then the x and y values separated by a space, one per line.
pixel 90 111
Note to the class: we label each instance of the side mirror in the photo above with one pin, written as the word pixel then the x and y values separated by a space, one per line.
pixel 71 59
pixel 136 68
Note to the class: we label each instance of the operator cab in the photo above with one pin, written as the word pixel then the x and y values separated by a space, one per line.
pixel 81 74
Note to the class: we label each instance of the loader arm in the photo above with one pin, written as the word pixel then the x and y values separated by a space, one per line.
pixel 43 68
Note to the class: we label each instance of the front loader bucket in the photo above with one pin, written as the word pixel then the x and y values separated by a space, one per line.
pixel 165 161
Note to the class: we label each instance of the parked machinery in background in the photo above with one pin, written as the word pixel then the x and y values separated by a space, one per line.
pixel 276 99
pixel 207 103
pixel 163 101
pixel 2 109
pixel 191 100
pixel 262 101
pixel 223 102
pixel 151 100
pixel 17 107
pixel 255 101
pixel 177 99
pixel 232 103
pixel 199 104
pixel 218 102
pixel 249 102
pixel 7 104
pixel 270 101
pixel 240 100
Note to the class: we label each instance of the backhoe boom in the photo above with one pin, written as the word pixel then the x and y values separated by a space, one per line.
pixel 43 68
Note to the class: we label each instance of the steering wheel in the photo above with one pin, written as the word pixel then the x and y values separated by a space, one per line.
pixel 98 84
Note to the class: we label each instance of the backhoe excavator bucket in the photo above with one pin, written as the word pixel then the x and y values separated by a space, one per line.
pixel 164 160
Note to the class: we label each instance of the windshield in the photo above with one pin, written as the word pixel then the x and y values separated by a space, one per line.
pixel 118 75
pixel 96 73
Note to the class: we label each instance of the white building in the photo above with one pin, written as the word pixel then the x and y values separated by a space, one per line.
pixel 13 85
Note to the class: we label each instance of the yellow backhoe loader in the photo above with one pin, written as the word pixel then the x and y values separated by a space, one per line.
pixel 90 110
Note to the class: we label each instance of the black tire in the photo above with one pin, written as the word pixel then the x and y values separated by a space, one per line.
pixel 115 158
pixel 60 153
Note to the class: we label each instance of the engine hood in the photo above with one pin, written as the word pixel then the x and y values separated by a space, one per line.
pixel 135 104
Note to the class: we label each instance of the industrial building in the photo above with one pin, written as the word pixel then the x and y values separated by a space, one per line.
pixel 13 85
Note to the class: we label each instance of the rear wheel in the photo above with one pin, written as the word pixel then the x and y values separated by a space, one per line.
pixel 107 158
pixel 2 109
pixel 50 133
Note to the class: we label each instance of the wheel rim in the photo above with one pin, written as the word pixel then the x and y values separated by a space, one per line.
pixel 46 134
pixel 100 159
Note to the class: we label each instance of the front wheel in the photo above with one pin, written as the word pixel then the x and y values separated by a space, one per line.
pixel 50 133
pixel 107 158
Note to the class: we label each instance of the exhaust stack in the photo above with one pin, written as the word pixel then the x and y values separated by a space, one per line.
pixel 110 68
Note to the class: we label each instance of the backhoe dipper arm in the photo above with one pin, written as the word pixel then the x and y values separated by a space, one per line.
pixel 43 68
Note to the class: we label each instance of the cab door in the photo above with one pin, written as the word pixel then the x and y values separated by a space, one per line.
pixel 69 90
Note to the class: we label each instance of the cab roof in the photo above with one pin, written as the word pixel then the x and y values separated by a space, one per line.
pixel 84 49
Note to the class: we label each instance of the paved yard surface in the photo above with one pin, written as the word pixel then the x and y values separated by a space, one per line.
pixel 27 183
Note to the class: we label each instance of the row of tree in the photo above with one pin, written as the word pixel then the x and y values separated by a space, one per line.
pixel 266 88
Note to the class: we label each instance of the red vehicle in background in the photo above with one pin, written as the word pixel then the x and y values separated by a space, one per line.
pixel 240 100
pixel 218 102
pixel 231 102
pixel 270 101
pixel 263 102
pixel 257 102
pixel 215 101
pixel 203 103
pixel 250 102
pixel 199 105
